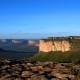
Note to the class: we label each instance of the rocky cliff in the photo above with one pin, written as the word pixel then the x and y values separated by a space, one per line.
pixel 47 46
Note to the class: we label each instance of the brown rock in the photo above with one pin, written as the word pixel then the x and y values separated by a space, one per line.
pixel 27 74
pixel 35 77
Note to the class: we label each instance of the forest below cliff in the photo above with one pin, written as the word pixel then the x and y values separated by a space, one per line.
pixel 7 54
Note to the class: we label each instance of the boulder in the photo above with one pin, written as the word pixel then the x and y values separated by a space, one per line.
pixel 35 77
pixel 27 74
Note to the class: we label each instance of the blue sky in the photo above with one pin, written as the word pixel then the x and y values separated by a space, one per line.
pixel 39 18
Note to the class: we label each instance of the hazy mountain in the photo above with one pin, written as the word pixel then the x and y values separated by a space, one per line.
pixel 21 45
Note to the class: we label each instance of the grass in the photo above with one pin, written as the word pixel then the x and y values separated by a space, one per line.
pixel 56 56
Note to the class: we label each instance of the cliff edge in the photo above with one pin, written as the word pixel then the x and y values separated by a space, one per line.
pixel 54 46
pixel 59 44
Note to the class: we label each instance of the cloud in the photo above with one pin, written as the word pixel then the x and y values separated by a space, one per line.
pixel 36 35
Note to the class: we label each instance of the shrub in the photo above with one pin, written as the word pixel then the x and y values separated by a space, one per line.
pixel 74 71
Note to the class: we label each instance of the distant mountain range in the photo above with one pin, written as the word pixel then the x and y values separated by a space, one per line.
pixel 18 48
pixel 26 41
pixel 13 40
pixel 21 45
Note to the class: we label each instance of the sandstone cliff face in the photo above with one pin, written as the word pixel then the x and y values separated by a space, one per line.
pixel 45 46
pixel 16 41
pixel 33 42
pixel 54 46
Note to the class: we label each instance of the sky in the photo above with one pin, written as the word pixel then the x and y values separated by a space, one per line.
pixel 39 18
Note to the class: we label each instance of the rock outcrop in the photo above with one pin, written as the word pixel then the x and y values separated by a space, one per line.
pixel 17 41
pixel 33 42
pixel 47 46
pixel 31 70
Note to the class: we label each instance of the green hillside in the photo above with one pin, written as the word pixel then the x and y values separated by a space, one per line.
pixel 57 56
pixel 75 44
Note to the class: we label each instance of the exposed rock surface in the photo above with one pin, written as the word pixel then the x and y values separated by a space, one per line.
pixel 28 70
pixel 54 46
pixel 17 41
pixel 33 42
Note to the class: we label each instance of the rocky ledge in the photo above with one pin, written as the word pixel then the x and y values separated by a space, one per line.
pixel 31 70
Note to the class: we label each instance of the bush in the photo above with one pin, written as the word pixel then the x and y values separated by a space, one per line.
pixel 74 71
pixel 75 61
pixel 78 75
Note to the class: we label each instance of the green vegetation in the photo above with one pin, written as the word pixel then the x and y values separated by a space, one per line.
pixel 72 39
pixel 70 56
pixel 7 54
pixel 75 43
pixel 56 39
pixel 14 55
pixel 56 56
pixel 74 71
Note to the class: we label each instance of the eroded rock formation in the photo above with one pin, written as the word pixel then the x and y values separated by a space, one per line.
pixel 47 46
